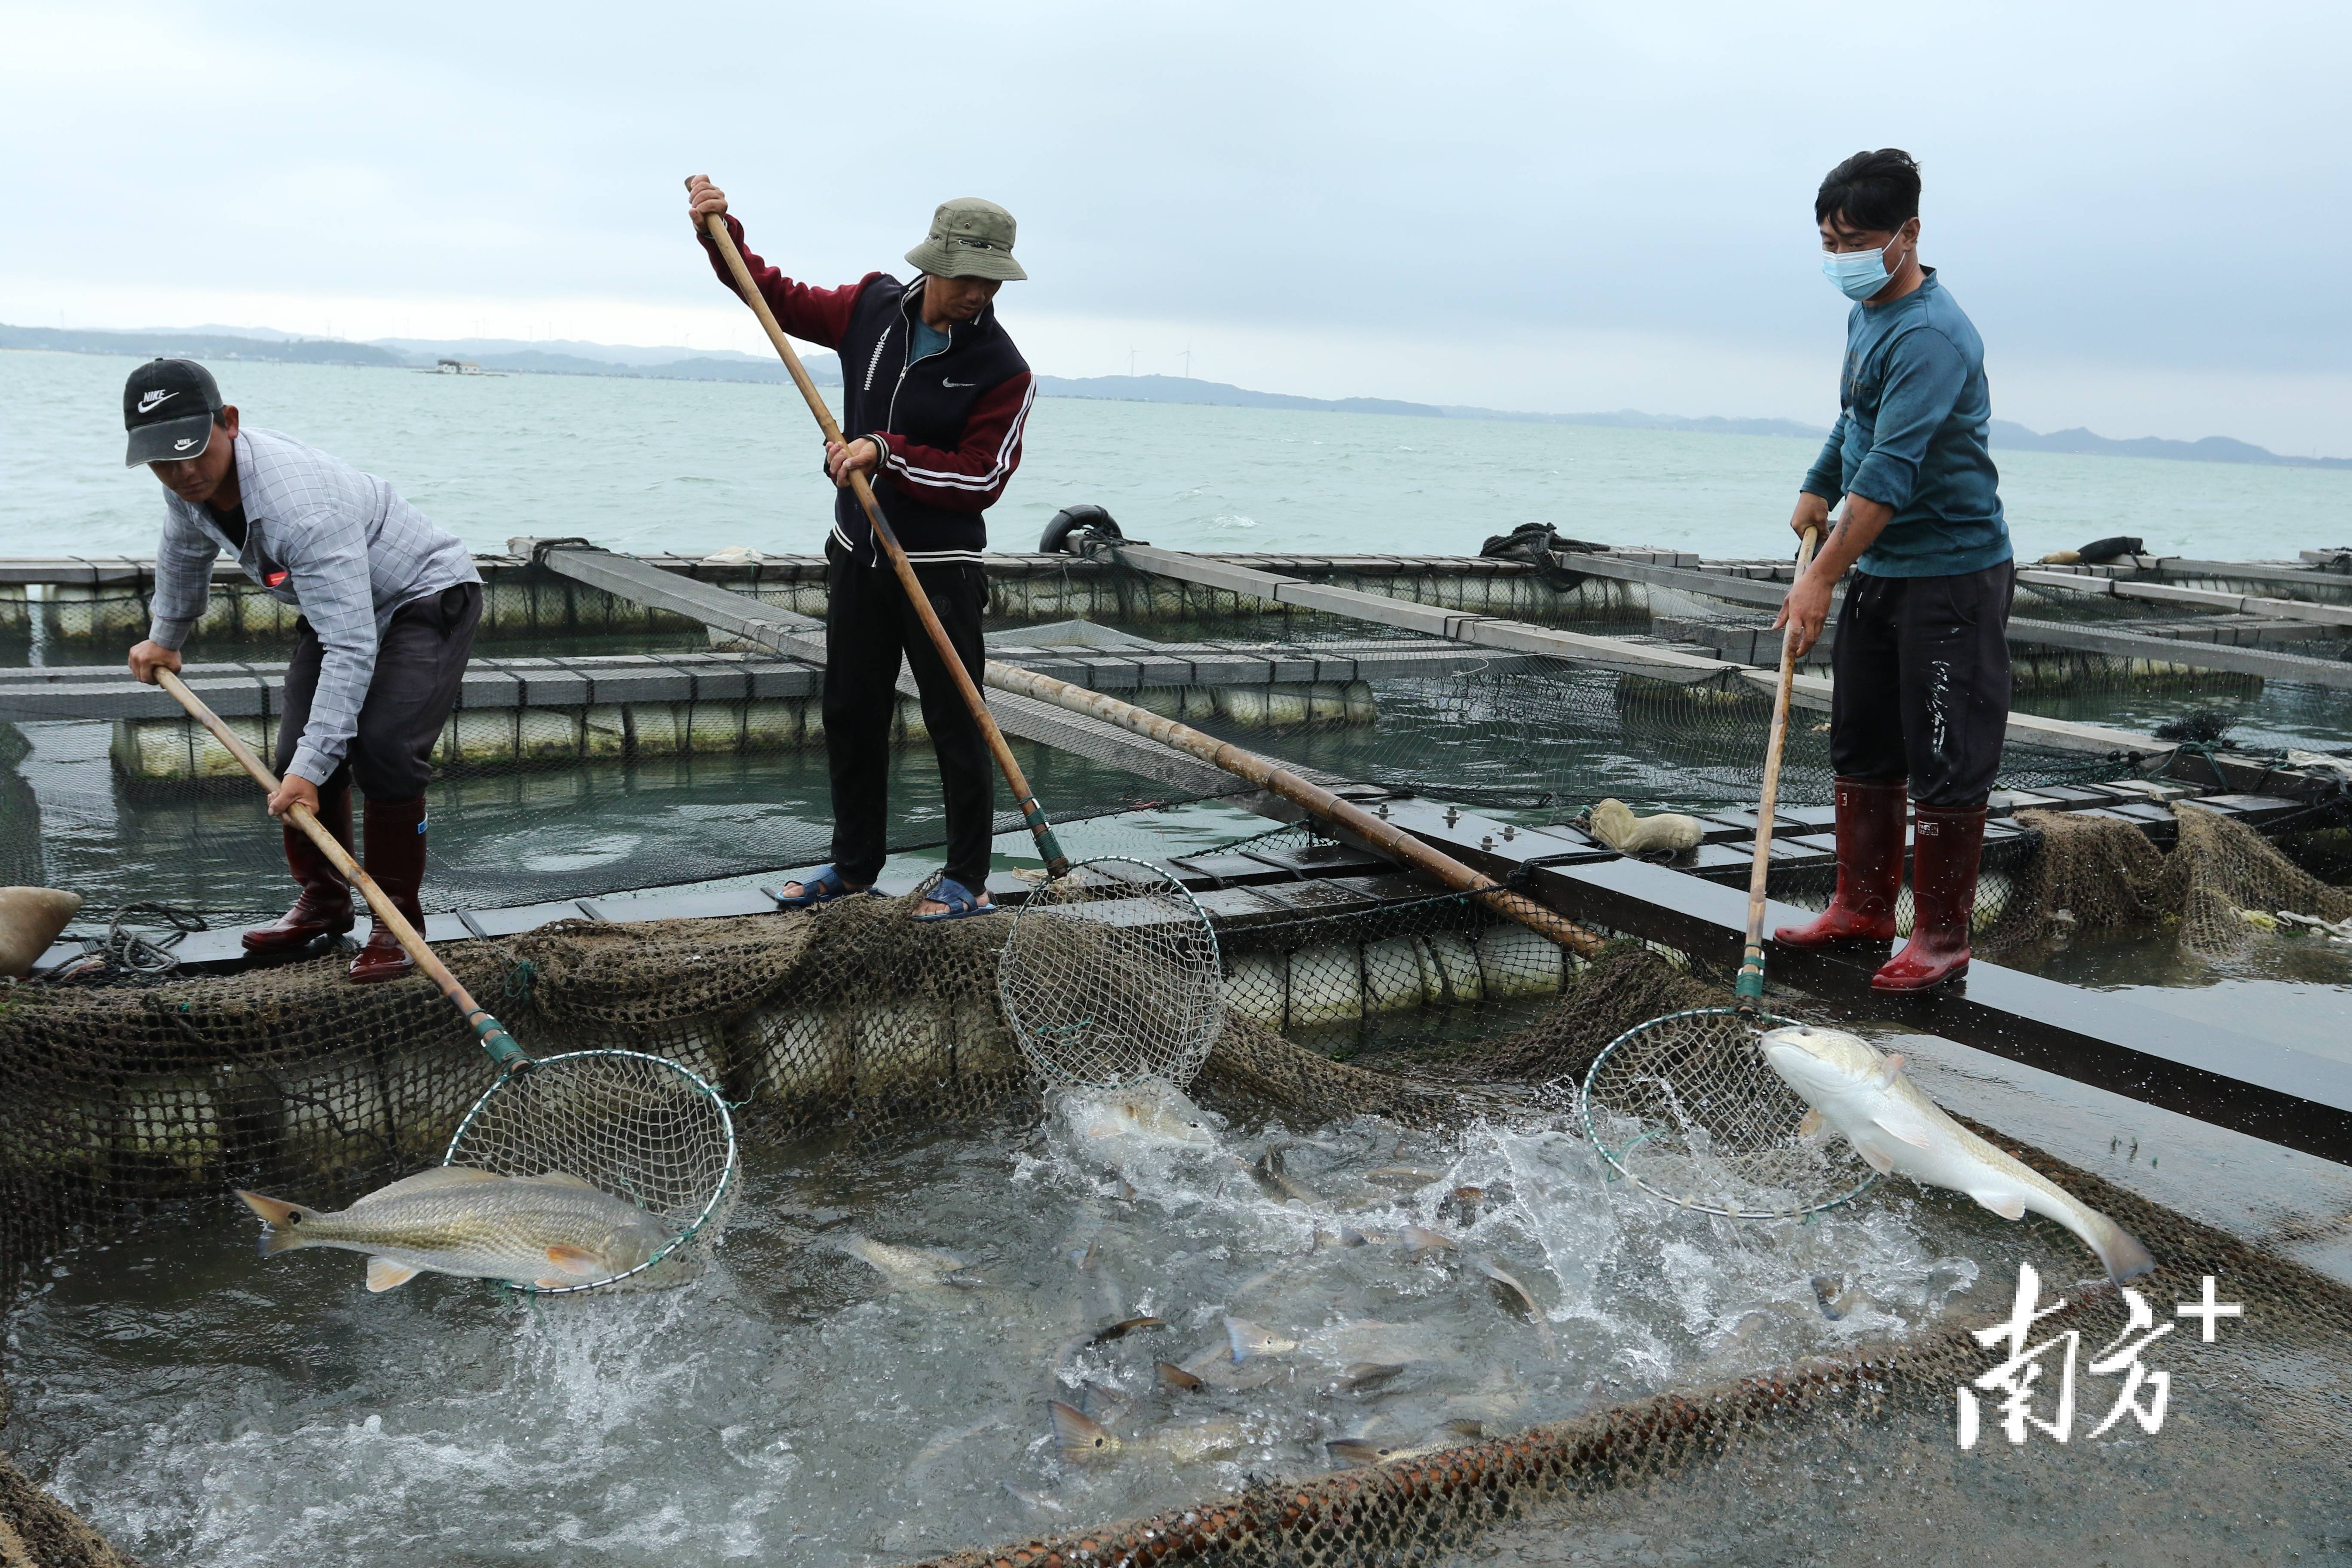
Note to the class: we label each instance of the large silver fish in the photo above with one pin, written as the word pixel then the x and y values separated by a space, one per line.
pixel 554 1230
pixel 1893 1126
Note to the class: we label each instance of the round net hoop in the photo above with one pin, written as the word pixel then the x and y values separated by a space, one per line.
pixel 639 1126
pixel 1686 1108
pixel 1110 978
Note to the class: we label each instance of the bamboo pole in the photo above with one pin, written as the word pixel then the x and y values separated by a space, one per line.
pixel 488 1030
pixel 1385 838
pixel 1749 987
pixel 1057 863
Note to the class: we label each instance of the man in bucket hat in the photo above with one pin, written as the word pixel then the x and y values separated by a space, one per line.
pixel 389 604
pixel 934 396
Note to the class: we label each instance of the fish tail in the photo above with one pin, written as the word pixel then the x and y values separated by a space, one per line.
pixel 283 1222
pixel 1080 1438
pixel 2119 1250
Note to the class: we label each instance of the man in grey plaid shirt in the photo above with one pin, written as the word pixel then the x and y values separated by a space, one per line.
pixel 389 603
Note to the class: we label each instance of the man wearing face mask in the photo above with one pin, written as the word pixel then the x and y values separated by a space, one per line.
pixel 1921 658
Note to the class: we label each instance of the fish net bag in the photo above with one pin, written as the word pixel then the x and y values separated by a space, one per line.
pixel 1685 1108
pixel 636 1125
pixel 2093 874
pixel 1109 977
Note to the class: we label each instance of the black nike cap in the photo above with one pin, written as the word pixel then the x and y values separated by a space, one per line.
pixel 168 407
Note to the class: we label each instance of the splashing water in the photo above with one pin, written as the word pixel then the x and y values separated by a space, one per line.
pixel 865 1368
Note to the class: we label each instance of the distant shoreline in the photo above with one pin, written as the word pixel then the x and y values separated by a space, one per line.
pixel 825 369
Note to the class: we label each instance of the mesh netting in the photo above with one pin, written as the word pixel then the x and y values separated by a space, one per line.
pixel 1109 977
pixel 2223 885
pixel 859 1019
pixel 1685 1106
pixel 635 1125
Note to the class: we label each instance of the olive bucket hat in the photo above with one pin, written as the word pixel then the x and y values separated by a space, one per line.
pixel 968 239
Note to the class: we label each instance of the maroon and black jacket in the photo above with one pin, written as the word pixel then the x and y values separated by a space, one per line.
pixel 950 424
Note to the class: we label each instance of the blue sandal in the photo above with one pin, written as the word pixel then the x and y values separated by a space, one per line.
pixel 960 901
pixel 821 889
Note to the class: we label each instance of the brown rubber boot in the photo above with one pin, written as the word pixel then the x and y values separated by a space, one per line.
pixel 395 859
pixel 325 907
pixel 1946 847
pixel 1869 869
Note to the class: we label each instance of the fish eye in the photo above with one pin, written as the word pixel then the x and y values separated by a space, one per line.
pixel 293 1219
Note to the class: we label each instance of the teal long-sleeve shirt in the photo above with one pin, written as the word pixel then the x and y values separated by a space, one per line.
pixel 1911 434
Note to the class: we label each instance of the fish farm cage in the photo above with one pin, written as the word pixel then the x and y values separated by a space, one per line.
pixel 606 746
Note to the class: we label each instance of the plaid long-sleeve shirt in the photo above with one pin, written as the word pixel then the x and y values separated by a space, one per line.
pixel 319 534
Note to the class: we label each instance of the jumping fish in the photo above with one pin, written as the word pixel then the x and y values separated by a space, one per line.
pixel 1835 1300
pixel 1175 1377
pixel 1893 1126
pixel 1141 1114
pixel 1125 1327
pixel 554 1231
pixel 1363 1451
pixel 1083 1440
pixel 910 1268
pixel 1406 1178
pixel 1421 1239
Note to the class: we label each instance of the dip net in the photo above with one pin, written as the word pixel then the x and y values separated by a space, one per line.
pixel 858 1023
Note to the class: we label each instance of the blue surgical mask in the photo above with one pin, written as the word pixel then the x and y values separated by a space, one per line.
pixel 1858 274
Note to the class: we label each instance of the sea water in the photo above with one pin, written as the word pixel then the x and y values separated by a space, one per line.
pixel 648 465
pixel 795 1402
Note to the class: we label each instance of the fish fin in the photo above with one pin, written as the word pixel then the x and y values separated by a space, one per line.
pixel 1900 1120
pixel 2008 1205
pixel 1079 1437
pixel 1466 1428
pixel 576 1261
pixel 383 1274
pixel 1236 1330
pixel 426 1180
pixel 284 1220
pixel 555 1282
pixel 1811 1127
pixel 1175 1377
pixel 2120 1250
pixel 1890 1068
pixel 1874 1159
pixel 565 1179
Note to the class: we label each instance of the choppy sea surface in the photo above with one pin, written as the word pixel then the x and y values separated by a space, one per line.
pixel 695 466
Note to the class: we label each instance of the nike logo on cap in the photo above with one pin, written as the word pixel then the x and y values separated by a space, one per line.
pixel 150 402
pixel 184 442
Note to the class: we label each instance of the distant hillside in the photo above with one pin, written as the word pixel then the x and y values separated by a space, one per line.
pixel 195 344
pixel 200 343
pixel 564 357
pixel 1217 393
pixel 2211 449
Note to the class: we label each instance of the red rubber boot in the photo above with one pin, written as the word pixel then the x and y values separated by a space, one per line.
pixel 325 907
pixel 1869 865
pixel 395 858
pixel 1946 847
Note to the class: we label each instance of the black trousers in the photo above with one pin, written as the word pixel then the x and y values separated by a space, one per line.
pixel 420 662
pixel 1922 689
pixel 868 624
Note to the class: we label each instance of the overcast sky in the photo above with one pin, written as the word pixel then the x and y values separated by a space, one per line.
pixel 1559 207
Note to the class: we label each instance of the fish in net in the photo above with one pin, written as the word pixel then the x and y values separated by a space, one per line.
pixel 635 1125
pixel 859 1020
pixel 1685 1108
